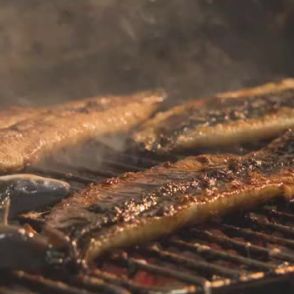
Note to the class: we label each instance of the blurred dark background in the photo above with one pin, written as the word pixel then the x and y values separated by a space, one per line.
pixel 57 50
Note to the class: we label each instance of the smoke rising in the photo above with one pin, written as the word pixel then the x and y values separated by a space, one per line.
pixel 58 50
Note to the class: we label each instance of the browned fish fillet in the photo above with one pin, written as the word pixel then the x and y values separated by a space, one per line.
pixel 229 118
pixel 70 124
pixel 13 115
pixel 141 206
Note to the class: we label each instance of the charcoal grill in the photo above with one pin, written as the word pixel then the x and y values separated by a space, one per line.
pixel 238 254
pixel 190 48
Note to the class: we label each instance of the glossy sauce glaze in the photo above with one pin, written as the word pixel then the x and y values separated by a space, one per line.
pixel 189 125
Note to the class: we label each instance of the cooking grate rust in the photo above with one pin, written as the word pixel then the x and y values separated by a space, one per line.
pixel 222 256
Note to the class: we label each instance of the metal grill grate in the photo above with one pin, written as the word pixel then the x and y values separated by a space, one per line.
pixel 206 258
pixel 235 253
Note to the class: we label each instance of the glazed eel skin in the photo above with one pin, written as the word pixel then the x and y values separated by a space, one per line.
pixel 225 119
pixel 138 207
pixel 48 130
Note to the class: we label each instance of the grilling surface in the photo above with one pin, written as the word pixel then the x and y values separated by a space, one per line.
pixel 217 256
pixel 138 207
pixel 230 254
pixel 235 252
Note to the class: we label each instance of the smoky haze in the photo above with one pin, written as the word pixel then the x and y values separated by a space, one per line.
pixel 52 51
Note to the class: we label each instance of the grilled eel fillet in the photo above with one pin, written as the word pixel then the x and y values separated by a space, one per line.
pixel 230 118
pixel 70 124
pixel 16 114
pixel 13 115
pixel 137 207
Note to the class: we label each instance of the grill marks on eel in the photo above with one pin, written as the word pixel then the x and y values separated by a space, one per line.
pixel 141 206
pixel 230 118
pixel 71 124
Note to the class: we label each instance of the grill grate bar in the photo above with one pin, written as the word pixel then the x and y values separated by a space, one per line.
pixel 113 163
pixel 245 247
pixel 122 165
pixel 261 220
pixel 135 263
pixel 83 175
pixel 238 231
pixel 96 284
pixel 80 179
pixel 47 285
pixel 122 282
pixel 278 213
pixel 101 174
pixel 193 264
pixel 16 289
pixel 208 251
pixel 109 166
